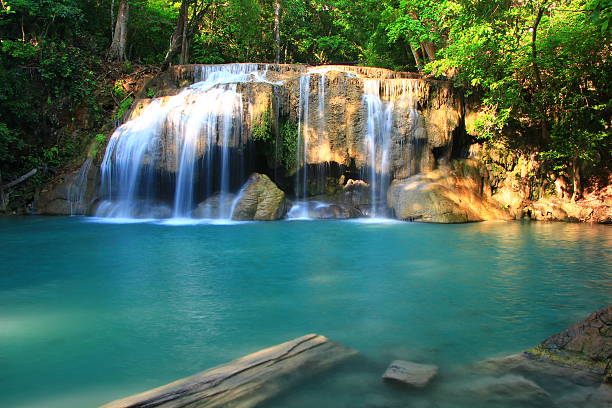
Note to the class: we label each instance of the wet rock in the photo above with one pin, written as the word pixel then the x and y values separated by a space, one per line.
pixel 510 391
pixel 407 372
pixel 323 210
pixel 247 381
pixel 260 200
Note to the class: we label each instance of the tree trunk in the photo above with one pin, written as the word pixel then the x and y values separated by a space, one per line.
pixel 417 60
pixel 534 51
pixel 117 48
pixel 277 11
pixel 112 27
pixel 184 56
pixel 576 179
pixel 176 40
pixel 2 198
pixel 430 50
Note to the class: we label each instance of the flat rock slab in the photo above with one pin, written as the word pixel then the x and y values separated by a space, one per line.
pixel 247 381
pixel 417 375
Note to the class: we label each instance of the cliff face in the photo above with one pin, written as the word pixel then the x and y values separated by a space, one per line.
pixel 367 141
pixel 328 103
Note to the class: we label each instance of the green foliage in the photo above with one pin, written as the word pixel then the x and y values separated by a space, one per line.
pixel 262 128
pixel 124 106
pixel 51 54
pixel 288 145
pixel 559 84
pixel 99 142
pixel 150 93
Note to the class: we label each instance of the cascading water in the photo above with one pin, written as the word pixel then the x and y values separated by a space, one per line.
pixel 203 123
pixel 78 189
pixel 301 175
pixel 186 155
pixel 377 144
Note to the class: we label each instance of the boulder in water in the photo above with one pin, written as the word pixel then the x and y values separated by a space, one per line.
pixel 260 200
pixel 407 372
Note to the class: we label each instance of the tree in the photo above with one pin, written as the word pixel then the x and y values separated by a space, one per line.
pixel 182 37
pixel 119 42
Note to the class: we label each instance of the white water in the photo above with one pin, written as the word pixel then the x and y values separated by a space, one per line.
pixel 204 124
pixel 377 143
pixel 301 185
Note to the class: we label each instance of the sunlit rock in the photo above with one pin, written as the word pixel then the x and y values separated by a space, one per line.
pixel 447 195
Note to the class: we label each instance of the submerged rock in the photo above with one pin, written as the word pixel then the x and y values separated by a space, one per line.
pixel 260 200
pixel 247 381
pixel 407 372
pixel 510 391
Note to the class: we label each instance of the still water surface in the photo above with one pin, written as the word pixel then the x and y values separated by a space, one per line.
pixel 91 312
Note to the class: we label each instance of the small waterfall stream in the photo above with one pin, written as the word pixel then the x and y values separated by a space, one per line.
pixel 301 175
pixel 377 144
pixel 78 189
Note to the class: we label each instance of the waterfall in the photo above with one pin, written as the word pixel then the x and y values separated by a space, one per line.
pixel 180 150
pixel 377 142
pixel 301 175
pixel 78 189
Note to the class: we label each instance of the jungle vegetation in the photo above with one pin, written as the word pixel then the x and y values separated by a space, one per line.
pixel 539 69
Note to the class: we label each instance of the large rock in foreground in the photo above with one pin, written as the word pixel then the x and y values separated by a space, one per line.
pixel 247 381
pixel 260 200
pixel 580 355
pixel 585 345
pixel 453 195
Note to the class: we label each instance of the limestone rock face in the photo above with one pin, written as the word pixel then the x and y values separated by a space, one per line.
pixel 407 372
pixel 451 195
pixel 426 113
pixel 261 200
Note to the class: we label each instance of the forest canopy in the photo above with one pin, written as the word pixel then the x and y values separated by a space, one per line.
pixel 540 69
